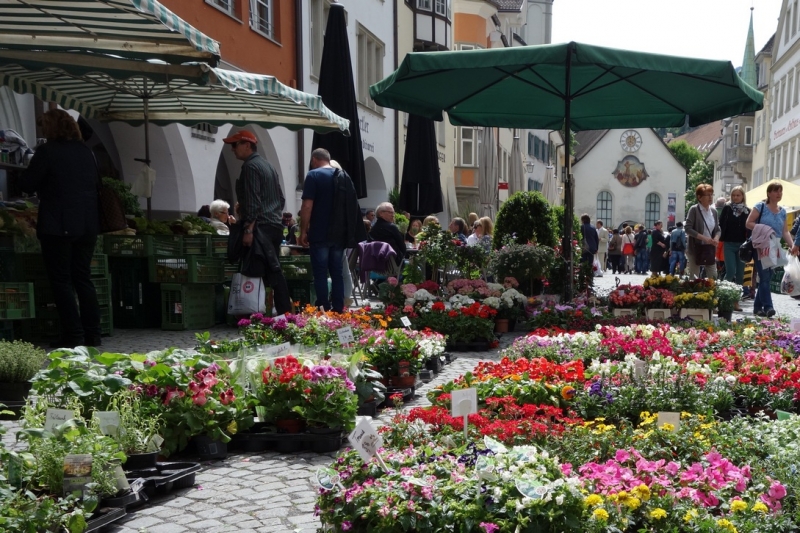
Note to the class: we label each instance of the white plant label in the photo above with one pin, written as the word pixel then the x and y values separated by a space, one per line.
pixel 109 422
pixel 405 321
pixel 279 351
pixel 328 478
pixel 464 402
pixel 365 440
pixel 639 368
pixel 795 324
pixel 345 335
pixel 669 417
pixel 56 417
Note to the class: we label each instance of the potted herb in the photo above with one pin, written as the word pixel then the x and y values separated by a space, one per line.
pixel 19 362
pixel 137 433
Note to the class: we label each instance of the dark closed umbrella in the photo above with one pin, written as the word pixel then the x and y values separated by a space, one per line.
pixel 338 93
pixel 420 188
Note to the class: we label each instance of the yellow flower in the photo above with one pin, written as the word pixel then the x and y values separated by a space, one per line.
pixel 691 514
pixel 726 524
pixel 658 513
pixel 760 508
pixel 685 415
pixel 568 393
pixel 642 492
pixel 738 505
pixel 601 515
pixel 666 426
pixel 592 500
pixel 632 503
pixel 232 428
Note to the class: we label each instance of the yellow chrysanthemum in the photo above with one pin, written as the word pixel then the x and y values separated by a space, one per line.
pixel 658 513
pixel 632 503
pixel 642 492
pixel 592 500
pixel 232 428
pixel 666 426
pixel 601 515
pixel 738 505
pixel 760 508
pixel 690 515
pixel 726 524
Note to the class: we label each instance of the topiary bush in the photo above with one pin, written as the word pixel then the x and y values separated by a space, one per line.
pixel 525 217
pixel 19 361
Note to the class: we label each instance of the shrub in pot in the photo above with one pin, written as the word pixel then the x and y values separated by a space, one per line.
pixel 19 362
pixel 137 433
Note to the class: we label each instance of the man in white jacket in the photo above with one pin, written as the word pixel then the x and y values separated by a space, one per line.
pixel 602 249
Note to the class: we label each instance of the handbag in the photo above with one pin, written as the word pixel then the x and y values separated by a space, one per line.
pixel 704 254
pixel 627 249
pixel 747 251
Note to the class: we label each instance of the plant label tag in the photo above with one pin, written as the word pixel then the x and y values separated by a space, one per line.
pixel 668 417
pixel 77 472
pixel 279 351
pixel 108 421
pixel 56 417
pixel 620 293
pixel 405 321
pixel 464 402
pixel 155 443
pixel 532 488
pixel 783 415
pixel 120 479
pixel 328 478
pixel 639 368
pixel 365 439
pixel 795 324
pixel 345 335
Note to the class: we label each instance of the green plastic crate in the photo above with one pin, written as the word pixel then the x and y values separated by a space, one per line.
pixel 296 267
pixel 29 267
pixel 143 245
pixel 189 269
pixel 302 292
pixel 7 330
pixel 219 246
pixel 17 301
pixel 197 245
pixel 187 306
pixel 136 301
pixel 46 326
pixel 106 320
pixel 775 280
pixel 98 268
pixel 8 266
pixel 229 270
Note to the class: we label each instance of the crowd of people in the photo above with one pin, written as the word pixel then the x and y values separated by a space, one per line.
pixel 705 245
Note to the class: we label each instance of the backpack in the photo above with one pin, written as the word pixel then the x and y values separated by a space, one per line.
pixel 678 244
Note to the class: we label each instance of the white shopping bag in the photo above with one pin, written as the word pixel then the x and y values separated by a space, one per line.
pixel 773 254
pixel 596 269
pixel 790 284
pixel 248 295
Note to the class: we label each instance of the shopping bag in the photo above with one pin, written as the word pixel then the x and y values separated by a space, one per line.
pixel 248 295
pixel 597 270
pixel 790 284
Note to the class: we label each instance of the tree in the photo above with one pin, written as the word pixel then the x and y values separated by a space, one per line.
pixel 686 154
pixel 524 217
pixel 701 172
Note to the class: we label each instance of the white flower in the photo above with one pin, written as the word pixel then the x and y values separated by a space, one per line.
pixel 492 302
pixel 423 296
pixel 560 499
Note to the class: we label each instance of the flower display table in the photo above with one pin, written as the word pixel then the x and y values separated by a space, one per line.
pixel 696 313
pixel 659 314
pixel 624 312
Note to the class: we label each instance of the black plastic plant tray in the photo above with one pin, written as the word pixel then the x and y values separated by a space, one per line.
pixel 169 476
pixel 126 501
pixel 103 517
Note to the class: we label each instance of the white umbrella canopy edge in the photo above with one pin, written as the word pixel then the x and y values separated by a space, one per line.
pixel 487 173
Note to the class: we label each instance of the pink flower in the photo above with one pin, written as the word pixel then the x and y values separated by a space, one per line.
pixel 489 527
pixel 199 399
pixel 622 456
pixel 777 491
pixel 392 281
pixel 347 525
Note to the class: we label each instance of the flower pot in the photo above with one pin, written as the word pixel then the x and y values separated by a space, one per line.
pixel 659 314
pixel 727 315
pixel 14 392
pixel 290 425
pixel 501 325
pixel 625 312
pixel 208 448
pixel 696 313
pixel 327 443
pixel 141 461
pixel 324 431
pixel 403 382
pixel 368 409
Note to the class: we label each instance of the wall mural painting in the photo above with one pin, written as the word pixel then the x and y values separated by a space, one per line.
pixel 630 171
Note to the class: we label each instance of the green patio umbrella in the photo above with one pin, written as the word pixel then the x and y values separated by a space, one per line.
pixel 571 86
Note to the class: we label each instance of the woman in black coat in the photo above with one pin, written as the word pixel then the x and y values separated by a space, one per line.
pixel 63 173
pixel 658 263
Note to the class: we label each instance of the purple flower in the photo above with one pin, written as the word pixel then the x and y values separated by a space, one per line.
pixel 243 323
pixel 347 525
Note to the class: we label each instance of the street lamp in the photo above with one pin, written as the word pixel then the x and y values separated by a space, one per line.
pixel 529 167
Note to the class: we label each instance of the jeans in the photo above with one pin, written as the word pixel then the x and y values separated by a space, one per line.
pixel 734 267
pixel 280 290
pixel 326 257
pixel 641 260
pixel 763 300
pixel 67 261
pixel 677 258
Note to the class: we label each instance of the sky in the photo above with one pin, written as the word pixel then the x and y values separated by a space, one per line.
pixel 709 29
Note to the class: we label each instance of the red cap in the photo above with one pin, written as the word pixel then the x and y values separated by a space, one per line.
pixel 241 136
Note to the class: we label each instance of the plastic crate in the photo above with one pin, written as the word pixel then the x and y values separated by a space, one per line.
pixel 98 268
pixel 143 245
pixel 302 292
pixel 136 302
pixel 103 288
pixel 219 246
pixel 297 267
pixel 189 269
pixel 7 265
pixel 29 267
pixel 7 330
pixel 24 244
pixel 229 270
pixel 197 245
pixel 775 280
pixel 45 326
pixel 17 301
pixel 106 320
pixel 187 306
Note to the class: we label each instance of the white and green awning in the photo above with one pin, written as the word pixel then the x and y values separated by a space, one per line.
pixel 136 29
pixel 185 94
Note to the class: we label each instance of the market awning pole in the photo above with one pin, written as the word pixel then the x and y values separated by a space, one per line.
pixel 569 200
pixel 146 160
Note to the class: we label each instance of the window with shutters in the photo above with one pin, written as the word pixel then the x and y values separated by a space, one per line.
pixel 652 209
pixel 261 14
pixel 370 65
pixel 604 208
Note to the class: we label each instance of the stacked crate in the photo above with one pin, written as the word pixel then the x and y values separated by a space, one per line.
pixel 299 278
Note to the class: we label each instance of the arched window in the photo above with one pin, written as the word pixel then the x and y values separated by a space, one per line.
pixel 604 208
pixel 652 209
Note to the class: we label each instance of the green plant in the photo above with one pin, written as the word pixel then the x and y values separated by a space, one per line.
pixel 525 217
pixel 330 398
pixel 728 294
pixel 394 199
pixel 387 349
pixel 130 203
pixel 137 432
pixel 280 389
pixel 366 379
pixel 402 222
pixel 19 361
pixel 437 246
pixel 527 263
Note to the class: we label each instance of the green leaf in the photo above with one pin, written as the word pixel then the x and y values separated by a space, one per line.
pixel 109 359
pixel 116 383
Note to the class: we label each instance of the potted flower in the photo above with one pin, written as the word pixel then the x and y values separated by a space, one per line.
pixel 395 355
pixel 696 305
pixel 281 394
pixel 728 294
pixel 527 263
pixel 625 300
pixel 331 402
pixel 370 391
pixel 658 303
pixel 19 362
pixel 467 324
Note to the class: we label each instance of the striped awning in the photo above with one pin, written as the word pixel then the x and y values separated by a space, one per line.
pixel 195 93
pixel 137 29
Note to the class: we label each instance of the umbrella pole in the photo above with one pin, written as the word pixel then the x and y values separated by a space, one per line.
pixel 569 200
pixel 147 152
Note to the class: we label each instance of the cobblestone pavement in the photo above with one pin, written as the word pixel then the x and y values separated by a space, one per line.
pixel 245 493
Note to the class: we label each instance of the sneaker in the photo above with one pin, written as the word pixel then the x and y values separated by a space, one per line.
pixel 760 313
pixel 770 313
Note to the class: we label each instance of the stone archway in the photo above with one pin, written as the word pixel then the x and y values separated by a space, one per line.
pixel 377 188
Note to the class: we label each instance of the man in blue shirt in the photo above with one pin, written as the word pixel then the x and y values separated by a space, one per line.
pixel 315 219
pixel 677 247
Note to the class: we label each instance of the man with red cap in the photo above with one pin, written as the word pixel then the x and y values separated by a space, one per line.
pixel 259 209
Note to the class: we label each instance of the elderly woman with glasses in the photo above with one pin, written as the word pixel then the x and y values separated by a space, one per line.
pixel 702 227
pixel 220 217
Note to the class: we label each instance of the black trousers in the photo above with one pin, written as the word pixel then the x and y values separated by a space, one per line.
pixel 67 261
pixel 280 290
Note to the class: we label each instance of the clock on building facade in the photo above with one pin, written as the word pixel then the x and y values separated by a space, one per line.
pixel 630 140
